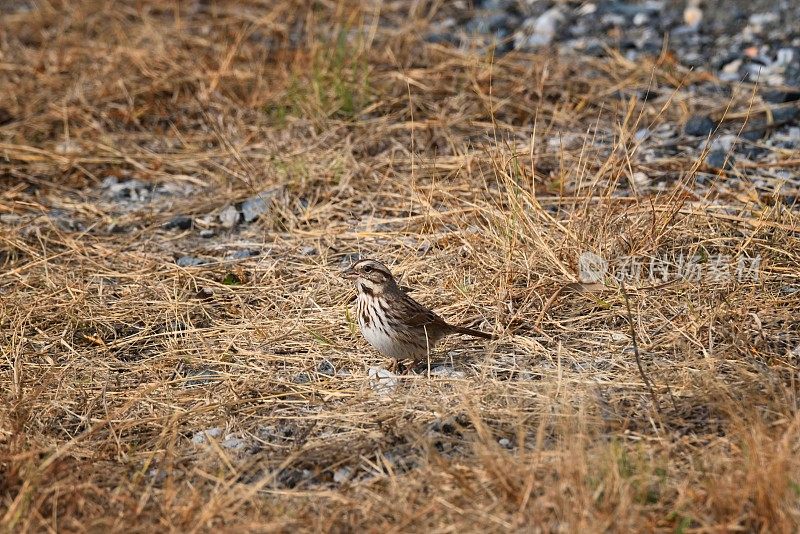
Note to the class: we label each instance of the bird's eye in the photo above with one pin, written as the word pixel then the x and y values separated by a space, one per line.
pixel 367 269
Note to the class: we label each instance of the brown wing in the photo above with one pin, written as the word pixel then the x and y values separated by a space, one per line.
pixel 415 314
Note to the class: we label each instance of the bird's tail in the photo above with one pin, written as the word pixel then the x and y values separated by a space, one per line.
pixel 472 332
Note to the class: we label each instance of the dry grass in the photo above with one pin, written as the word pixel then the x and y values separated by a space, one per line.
pixel 441 163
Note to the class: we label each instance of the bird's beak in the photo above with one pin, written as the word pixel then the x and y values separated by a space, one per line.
pixel 349 273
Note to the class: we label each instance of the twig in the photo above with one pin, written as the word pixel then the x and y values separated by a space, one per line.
pixel 646 380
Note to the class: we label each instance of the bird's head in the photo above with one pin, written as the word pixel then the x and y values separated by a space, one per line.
pixel 370 276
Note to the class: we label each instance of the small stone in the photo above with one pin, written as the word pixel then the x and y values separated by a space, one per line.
pixel 301 378
pixel 504 442
pixel 692 16
pixel 786 56
pixel 233 442
pixel 640 19
pixel 699 126
pixel 229 217
pixel 619 337
pixel 243 254
pixel 594 48
pixel 207 233
pixel 326 368
pixel 382 381
pixel 489 23
pixel 202 436
pixel 613 19
pixel 565 141
pixel 724 143
pixel 762 19
pixel 342 475
pixel 252 208
pixel 130 190
pixel 754 134
pixel 68 147
pixel 349 259
pixel 190 261
pixel 539 32
pixel 205 293
pixel 442 38
pixel 200 377
pixel 641 135
pixel 181 222
pixel 781 115
pixel 780 97
pixel 159 475
pixel 447 372
pixel 258 205
pixel 308 250
pixel 10 218
pixel 291 478
pixel 641 179
pixel 732 67
pixel 719 159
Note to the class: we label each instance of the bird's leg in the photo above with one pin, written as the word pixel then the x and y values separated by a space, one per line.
pixel 403 368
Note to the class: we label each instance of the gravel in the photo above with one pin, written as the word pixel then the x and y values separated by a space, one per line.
pixel 699 126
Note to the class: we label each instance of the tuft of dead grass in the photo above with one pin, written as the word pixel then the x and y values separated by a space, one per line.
pixel 142 395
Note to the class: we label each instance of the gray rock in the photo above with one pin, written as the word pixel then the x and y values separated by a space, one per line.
pixel 207 233
pixel 326 368
pixel 613 19
pixel 68 147
pixel 229 217
pixel 504 442
pixel 780 97
pixel 301 378
pixel 641 135
pixel 719 159
pixel 181 222
pixel 342 475
pixel 158 475
pixel 190 261
pixel 10 218
pixel 234 442
pixel 201 377
pixel 539 32
pixel 349 259
pixel 254 207
pixel 290 477
pixel 382 381
pixel 724 143
pixel 762 19
pixel 443 371
pixel 243 254
pixel 442 38
pixel 784 114
pixel 491 22
pixel 131 190
pixel 259 204
pixel 205 293
pixel 308 250
pixel 699 126
pixel 202 436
